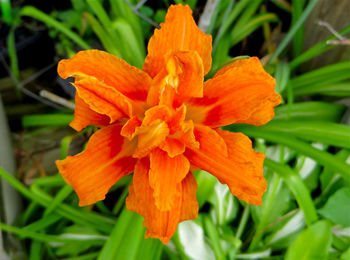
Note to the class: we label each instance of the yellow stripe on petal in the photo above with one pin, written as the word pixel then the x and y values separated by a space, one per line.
pixel 149 137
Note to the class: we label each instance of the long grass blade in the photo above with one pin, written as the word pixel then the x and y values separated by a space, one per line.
pixel 292 31
pixel 41 16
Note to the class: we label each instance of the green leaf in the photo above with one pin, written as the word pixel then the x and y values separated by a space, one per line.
pixel 330 181
pixel 49 21
pixel 318 131
pixel 293 30
pixel 314 111
pixel 282 76
pixel 213 234
pixel 308 169
pixel 225 206
pixel 251 26
pixel 46 120
pixel 276 201
pixel 345 255
pixel 323 76
pixel 61 195
pixel 283 5
pixel 43 223
pixel 223 25
pixel 312 243
pixel 206 183
pixel 297 187
pixel 283 235
pixel 36 248
pixel 128 41
pixel 24 233
pixel 337 207
pixel 122 10
pixel 81 232
pixel 35 194
pixel 245 17
pixel 11 47
pixel 322 157
pixel 236 11
pixel 298 39
pixel 193 241
pixel 6 11
pixel 127 240
pixel 101 33
pixel 341 89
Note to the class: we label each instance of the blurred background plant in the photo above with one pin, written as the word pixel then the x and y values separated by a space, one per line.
pixel 306 210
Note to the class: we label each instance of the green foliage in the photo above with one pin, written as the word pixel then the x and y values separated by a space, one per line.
pixel 312 243
pixel 337 207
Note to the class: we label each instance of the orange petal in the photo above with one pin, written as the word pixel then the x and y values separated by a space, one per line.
pixel 112 71
pixel 191 79
pixel 158 86
pixel 240 93
pixel 189 209
pixel 176 120
pixel 149 137
pixel 160 224
pixel 156 113
pixel 172 146
pixel 104 99
pixel 106 159
pixel 129 128
pixel 179 32
pixel 153 130
pixel 164 176
pixel 251 64
pixel 188 135
pixel 241 170
pixel 84 116
pixel 183 76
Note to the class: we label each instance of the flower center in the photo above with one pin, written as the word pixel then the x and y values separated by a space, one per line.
pixel 162 127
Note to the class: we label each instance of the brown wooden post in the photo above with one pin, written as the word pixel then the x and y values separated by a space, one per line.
pixel 337 14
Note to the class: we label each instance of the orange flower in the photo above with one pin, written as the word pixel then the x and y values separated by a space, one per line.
pixel 162 122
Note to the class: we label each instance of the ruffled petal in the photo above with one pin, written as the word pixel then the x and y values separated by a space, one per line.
pixel 106 159
pixel 179 32
pixel 180 79
pixel 156 113
pixel 172 146
pixel 105 67
pixel 240 93
pixel 191 79
pixel 188 136
pixel 189 209
pixel 241 169
pixel 153 130
pixel 176 120
pixel 105 100
pixel 84 116
pixel 149 137
pixel 129 128
pixel 160 224
pixel 164 176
